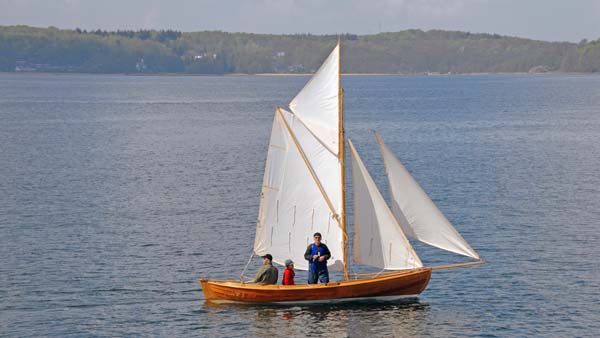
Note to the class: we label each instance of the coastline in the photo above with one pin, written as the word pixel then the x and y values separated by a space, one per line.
pixel 298 74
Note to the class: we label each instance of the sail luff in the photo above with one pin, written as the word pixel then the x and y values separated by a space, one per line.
pixel 413 208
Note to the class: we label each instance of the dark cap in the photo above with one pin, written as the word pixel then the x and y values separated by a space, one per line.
pixel 317 234
pixel 268 256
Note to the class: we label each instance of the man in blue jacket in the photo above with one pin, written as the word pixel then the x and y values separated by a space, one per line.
pixel 317 255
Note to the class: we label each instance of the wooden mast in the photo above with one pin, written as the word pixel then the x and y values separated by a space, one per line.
pixel 342 158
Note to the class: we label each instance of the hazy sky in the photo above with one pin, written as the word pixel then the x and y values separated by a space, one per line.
pixel 552 20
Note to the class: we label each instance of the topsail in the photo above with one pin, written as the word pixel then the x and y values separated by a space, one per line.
pixel 318 103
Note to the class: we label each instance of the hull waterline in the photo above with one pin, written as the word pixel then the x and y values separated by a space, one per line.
pixel 404 283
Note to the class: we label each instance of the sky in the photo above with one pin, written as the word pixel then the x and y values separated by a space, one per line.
pixel 549 20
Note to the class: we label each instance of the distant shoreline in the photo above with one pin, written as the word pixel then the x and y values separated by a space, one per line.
pixel 289 74
pixel 167 52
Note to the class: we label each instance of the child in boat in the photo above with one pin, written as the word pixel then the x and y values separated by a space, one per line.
pixel 288 273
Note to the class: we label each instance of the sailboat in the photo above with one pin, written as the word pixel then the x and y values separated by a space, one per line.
pixel 303 192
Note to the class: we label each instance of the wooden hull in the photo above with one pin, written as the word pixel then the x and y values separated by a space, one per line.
pixel 411 282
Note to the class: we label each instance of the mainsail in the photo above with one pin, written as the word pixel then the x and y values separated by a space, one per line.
pixel 302 184
pixel 416 212
pixel 378 238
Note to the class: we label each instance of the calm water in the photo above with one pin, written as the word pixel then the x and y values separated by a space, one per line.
pixel 118 192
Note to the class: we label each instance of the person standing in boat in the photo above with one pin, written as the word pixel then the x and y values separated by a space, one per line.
pixel 317 255
pixel 289 273
pixel 267 274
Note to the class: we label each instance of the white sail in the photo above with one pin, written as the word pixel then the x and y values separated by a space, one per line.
pixel 378 238
pixel 302 184
pixel 317 104
pixel 416 211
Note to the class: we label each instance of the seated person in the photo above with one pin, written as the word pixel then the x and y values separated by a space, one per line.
pixel 288 273
pixel 267 274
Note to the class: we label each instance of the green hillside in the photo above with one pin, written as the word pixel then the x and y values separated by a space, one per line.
pixel 24 48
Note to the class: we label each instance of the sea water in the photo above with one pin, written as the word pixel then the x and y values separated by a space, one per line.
pixel 118 192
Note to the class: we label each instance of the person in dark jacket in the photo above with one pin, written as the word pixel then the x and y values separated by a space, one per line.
pixel 317 255
pixel 288 273
pixel 267 274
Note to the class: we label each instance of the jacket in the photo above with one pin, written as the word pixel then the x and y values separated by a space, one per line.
pixel 322 250
pixel 288 277
pixel 267 274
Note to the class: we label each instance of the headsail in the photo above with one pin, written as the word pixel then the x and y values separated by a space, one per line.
pixel 415 210
pixel 302 185
pixel 378 238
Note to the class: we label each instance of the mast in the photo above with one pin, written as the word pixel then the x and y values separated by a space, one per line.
pixel 342 160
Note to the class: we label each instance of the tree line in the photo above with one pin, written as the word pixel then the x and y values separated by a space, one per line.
pixel 24 48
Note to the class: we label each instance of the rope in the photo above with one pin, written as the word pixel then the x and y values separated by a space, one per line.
pixel 246 267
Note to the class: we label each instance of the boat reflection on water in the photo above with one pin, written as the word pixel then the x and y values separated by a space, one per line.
pixel 396 317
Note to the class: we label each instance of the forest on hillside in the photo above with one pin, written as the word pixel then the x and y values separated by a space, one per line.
pixel 30 49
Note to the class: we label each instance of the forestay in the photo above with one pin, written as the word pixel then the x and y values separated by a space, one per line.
pixel 302 184
pixel 378 238
pixel 415 211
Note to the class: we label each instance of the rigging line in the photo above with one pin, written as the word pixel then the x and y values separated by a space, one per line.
pixel 246 267
pixel 309 167
pixel 377 274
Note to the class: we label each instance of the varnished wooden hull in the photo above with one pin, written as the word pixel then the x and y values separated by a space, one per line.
pixel 411 282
